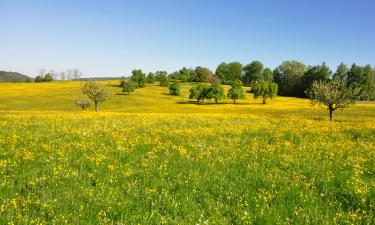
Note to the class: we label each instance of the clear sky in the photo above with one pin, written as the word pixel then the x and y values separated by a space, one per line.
pixel 110 38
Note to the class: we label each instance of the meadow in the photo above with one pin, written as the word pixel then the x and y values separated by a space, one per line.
pixel 152 158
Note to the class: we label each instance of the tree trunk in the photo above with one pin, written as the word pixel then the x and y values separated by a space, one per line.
pixel 234 100
pixel 264 101
pixel 216 100
pixel 331 115
pixel 96 107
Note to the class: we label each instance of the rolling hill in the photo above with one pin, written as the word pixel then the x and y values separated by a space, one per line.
pixel 13 77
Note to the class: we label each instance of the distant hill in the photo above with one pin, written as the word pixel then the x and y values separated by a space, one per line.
pixel 13 77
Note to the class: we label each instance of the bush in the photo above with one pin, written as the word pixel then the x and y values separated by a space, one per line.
pixel 174 88
pixel 128 86
pixel 83 103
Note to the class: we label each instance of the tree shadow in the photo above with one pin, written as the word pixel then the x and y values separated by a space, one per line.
pixel 122 94
pixel 219 103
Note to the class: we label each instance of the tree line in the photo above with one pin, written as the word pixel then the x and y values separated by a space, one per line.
pixel 70 74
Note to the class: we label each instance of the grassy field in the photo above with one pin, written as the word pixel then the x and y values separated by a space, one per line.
pixel 151 158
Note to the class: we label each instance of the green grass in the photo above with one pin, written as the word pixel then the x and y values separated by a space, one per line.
pixel 147 159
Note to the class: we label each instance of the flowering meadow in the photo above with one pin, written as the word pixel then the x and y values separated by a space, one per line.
pixel 152 158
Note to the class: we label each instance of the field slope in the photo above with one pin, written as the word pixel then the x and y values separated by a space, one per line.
pixel 151 158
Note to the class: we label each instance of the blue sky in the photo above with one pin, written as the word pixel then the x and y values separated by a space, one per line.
pixel 110 38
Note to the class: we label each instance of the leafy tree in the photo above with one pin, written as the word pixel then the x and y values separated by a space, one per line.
pixel 39 79
pixel 83 103
pixel 160 75
pixel 128 86
pixel 265 89
pixel 253 73
pixel 216 91
pixel 203 74
pixel 333 94
pixel 138 77
pixel 363 77
pixel 48 77
pixel 95 92
pixel 184 74
pixel 267 75
pixel 164 81
pixel 234 72
pixel 150 78
pixel 288 76
pixel 341 72
pixel 198 93
pixel 222 72
pixel 315 73
pixel 174 88
pixel 236 91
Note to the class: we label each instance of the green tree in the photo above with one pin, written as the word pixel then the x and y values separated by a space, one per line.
pixel 267 75
pixel 253 73
pixel 222 72
pixel 160 75
pixel 364 78
pixel 203 74
pixel 164 80
pixel 95 92
pixel 129 86
pixel 174 88
pixel 216 91
pixel 333 94
pixel 150 78
pixel 236 91
pixel 234 72
pixel 138 77
pixel 288 77
pixel 48 77
pixel 341 72
pixel 315 73
pixel 39 79
pixel 198 93
pixel 265 89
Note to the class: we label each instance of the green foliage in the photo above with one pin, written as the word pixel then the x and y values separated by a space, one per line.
pixel 333 94
pixel 94 92
pixel 288 76
pixel 202 74
pixel 216 91
pixel 138 77
pixel 198 93
pixel 48 77
pixel 174 88
pixel 150 78
pixel 159 75
pixel 236 92
pixel 253 73
pixel 341 72
pixel 315 73
pixel 228 73
pixel 164 80
pixel 128 86
pixel 364 78
pixel 267 75
pixel 265 89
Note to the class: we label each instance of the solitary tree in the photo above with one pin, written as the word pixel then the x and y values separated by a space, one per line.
pixel 265 90
pixel 94 92
pixel 236 91
pixel 174 88
pixel 128 86
pixel 138 77
pixel 333 94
